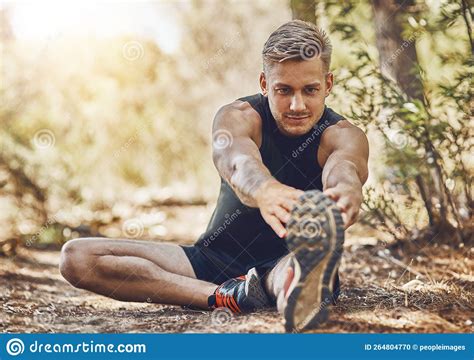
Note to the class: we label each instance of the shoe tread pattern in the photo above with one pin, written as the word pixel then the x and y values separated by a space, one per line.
pixel 314 232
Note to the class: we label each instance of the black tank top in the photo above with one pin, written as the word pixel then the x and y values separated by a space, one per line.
pixel 238 231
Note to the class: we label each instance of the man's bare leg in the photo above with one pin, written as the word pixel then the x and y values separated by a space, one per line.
pixel 278 280
pixel 133 270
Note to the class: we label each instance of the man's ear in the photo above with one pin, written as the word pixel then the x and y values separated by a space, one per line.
pixel 329 82
pixel 263 83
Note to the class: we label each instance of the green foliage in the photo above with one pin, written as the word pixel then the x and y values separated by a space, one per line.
pixel 427 177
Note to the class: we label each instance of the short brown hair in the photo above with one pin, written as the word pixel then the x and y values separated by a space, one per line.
pixel 297 40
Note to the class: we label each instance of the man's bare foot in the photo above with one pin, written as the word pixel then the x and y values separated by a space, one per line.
pixel 283 295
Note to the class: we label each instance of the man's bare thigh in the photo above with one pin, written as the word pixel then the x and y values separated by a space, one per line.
pixel 169 257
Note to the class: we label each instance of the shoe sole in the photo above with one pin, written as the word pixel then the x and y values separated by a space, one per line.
pixel 315 237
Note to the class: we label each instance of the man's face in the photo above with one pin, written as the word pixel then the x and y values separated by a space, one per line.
pixel 296 91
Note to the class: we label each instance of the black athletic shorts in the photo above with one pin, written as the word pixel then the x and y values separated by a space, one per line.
pixel 217 267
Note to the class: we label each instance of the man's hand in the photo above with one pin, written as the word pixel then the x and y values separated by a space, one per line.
pixel 348 199
pixel 275 201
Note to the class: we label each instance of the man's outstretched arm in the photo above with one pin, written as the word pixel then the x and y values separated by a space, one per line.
pixel 236 137
pixel 344 153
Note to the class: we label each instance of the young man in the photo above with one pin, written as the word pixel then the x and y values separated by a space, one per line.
pixel 273 238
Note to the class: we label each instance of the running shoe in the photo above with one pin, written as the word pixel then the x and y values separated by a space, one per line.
pixel 315 237
pixel 243 294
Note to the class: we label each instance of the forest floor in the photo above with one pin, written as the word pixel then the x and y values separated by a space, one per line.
pixel 385 290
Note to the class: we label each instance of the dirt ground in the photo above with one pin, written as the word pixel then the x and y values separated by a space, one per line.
pixel 379 294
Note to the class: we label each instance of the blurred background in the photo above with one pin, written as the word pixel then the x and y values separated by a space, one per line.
pixel 106 111
pixel 105 130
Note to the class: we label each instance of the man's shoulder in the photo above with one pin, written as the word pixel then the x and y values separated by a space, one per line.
pixel 346 126
pixel 241 117
pixel 241 109
pixel 343 132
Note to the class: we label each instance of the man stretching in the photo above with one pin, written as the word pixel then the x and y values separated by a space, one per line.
pixel 274 238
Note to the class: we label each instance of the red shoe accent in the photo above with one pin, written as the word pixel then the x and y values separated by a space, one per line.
pixel 225 299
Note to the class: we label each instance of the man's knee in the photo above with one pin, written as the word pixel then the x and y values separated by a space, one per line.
pixel 74 260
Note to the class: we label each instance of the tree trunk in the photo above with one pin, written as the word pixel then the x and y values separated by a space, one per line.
pixel 398 59
pixel 426 199
pixel 304 10
pixel 467 17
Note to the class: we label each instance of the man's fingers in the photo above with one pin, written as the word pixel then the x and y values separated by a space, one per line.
pixel 343 204
pixel 332 193
pixel 347 211
pixel 297 193
pixel 353 214
pixel 345 219
pixel 276 225
pixel 349 217
pixel 288 204
pixel 282 214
